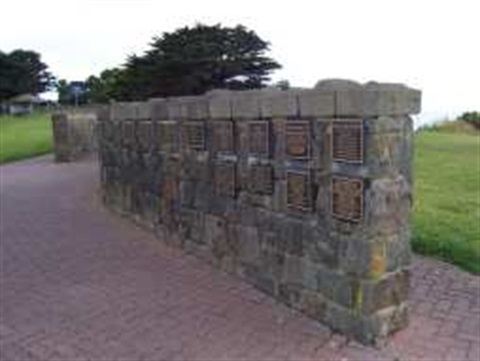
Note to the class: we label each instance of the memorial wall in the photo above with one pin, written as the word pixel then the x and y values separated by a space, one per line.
pixel 304 193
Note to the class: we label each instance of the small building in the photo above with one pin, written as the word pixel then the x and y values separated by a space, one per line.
pixel 23 104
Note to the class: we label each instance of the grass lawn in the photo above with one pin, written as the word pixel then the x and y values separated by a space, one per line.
pixel 447 197
pixel 25 136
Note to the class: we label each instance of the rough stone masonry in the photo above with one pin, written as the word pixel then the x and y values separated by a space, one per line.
pixel 74 134
pixel 306 194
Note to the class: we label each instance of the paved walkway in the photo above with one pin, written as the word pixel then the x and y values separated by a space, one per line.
pixel 78 283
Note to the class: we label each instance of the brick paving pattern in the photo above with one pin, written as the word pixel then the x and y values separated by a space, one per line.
pixel 78 283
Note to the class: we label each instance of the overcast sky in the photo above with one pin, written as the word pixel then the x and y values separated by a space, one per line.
pixel 426 44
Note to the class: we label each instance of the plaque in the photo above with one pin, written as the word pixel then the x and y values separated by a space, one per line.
pixel 223 136
pixel 167 135
pixel 259 136
pixel 195 135
pixel 261 179
pixel 224 179
pixel 299 191
pixel 297 139
pixel 347 141
pixel 347 198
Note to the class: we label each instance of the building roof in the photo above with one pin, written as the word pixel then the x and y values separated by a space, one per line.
pixel 26 98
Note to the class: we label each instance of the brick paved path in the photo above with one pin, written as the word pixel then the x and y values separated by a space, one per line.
pixel 78 283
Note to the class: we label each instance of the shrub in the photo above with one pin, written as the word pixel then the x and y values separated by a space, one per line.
pixel 472 118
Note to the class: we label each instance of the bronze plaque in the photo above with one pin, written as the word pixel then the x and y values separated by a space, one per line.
pixel 224 179
pixel 223 136
pixel 261 179
pixel 347 141
pixel 195 135
pixel 259 136
pixel 167 135
pixel 297 139
pixel 299 191
pixel 347 198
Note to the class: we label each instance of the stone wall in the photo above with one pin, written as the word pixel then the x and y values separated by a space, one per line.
pixel 304 193
pixel 74 134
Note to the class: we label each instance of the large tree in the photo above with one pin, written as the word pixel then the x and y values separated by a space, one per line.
pixel 195 60
pixel 23 72
pixel 107 86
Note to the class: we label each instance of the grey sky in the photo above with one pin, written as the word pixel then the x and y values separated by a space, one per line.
pixel 431 45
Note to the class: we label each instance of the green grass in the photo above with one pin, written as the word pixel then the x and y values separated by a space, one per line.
pixel 447 197
pixel 24 136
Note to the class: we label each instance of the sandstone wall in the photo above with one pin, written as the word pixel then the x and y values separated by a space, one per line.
pixel 304 193
pixel 74 134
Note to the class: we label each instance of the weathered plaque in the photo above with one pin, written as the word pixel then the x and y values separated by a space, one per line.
pixel 222 131
pixel 261 178
pixel 347 198
pixel 347 141
pixel 167 135
pixel 259 138
pixel 224 179
pixel 299 191
pixel 297 139
pixel 195 135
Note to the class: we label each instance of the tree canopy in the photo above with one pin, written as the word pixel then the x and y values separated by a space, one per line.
pixel 189 61
pixel 23 72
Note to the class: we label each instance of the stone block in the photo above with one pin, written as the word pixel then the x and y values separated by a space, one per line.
pixel 374 329
pixel 377 100
pixel 294 270
pixel 279 104
pixel 389 154
pixel 321 145
pixel 316 103
pixel 395 99
pixel 124 111
pixel 264 283
pixel 246 104
pixel 144 111
pixel 388 203
pixel 219 104
pixel 158 108
pixel 249 244
pixel 390 290
pixel 372 99
pixel 313 304
pixel 290 293
pixel 402 124
pixel 103 113
pixel 192 226
pixel 187 107
pixel 144 134
pixel 337 287
pixel 319 247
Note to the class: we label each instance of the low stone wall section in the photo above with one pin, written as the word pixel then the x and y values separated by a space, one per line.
pixel 306 194
pixel 74 134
